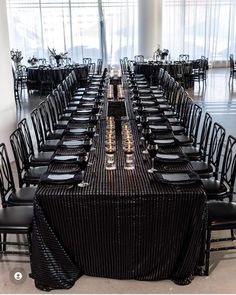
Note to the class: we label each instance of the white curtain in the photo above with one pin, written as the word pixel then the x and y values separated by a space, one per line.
pixel 121 29
pixel 200 27
pixel 93 28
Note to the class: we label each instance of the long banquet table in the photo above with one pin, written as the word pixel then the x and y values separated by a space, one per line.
pixel 124 225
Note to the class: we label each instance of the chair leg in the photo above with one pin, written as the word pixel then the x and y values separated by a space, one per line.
pixel 0 244
pixel 29 242
pixel 4 241
pixel 208 245
pixel 232 234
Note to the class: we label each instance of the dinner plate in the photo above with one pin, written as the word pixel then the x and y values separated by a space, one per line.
pixel 144 90
pixel 65 158
pixel 159 127
pixel 88 98
pixel 150 109
pixel 92 92
pixel 146 97
pixel 146 102
pixel 63 178
pixel 167 156
pixel 171 158
pixel 83 111
pixel 77 130
pixel 155 118
pixel 154 91
pixel 73 143
pixel 80 119
pixel 60 176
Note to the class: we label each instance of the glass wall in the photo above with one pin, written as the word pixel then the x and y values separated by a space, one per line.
pixel 200 27
pixel 94 28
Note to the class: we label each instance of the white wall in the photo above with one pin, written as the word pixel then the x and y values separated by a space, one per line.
pixel 150 22
pixel 7 101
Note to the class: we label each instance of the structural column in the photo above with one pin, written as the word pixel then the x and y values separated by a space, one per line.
pixel 150 26
pixel 7 100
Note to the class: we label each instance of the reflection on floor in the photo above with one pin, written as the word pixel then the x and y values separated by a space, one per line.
pixel 218 97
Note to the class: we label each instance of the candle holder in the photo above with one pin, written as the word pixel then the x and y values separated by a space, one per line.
pixel 110 159
pixel 128 146
pixel 129 159
pixel 110 144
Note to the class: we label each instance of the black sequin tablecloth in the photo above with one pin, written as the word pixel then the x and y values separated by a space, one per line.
pixel 123 225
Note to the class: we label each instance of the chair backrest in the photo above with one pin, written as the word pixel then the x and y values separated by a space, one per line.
pixel 59 100
pixel 139 58
pixel 160 76
pixel 228 173
pixel 20 155
pixel 6 177
pixel 216 145
pixel 169 88
pixel 99 66
pixel 38 128
pixel 87 60
pixel 74 78
pixel 23 125
pixel 231 61
pixel 64 94
pixel 122 65
pixel 184 57
pixel 46 124
pixel 53 110
pixel 194 123
pixel 174 94
pixel 206 128
pixel 184 107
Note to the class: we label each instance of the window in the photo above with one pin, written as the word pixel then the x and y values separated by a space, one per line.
pixel 200 27
pixel 93 28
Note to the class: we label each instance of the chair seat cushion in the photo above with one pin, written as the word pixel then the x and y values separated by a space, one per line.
pixel 16 219
pixel 221 213
pixel 56 134
pixel 23 196
pixel 183 139
pixel 62 124
pixel 214 188
pixel 33 174
pixel 41 159
pixel 50 145
pixel 174 121
pixel 177 129
pixel 201 167
pixel 191 151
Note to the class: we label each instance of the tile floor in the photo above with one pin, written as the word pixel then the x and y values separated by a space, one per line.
pixel 217 97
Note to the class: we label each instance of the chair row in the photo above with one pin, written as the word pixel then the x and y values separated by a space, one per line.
pixel 203 143
pixel 49 120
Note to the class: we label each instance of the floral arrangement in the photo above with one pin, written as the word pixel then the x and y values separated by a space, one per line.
pixel 57 56
pixel 32 61
pixel 16 56
pixel 160 53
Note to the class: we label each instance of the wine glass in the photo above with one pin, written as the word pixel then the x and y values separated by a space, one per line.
pixel 152 150
pixel 87 144
pixel 90 131
pixel 146 133
pixel 94 121
pixel 83 162
pixel 144 121
pixel 140 110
